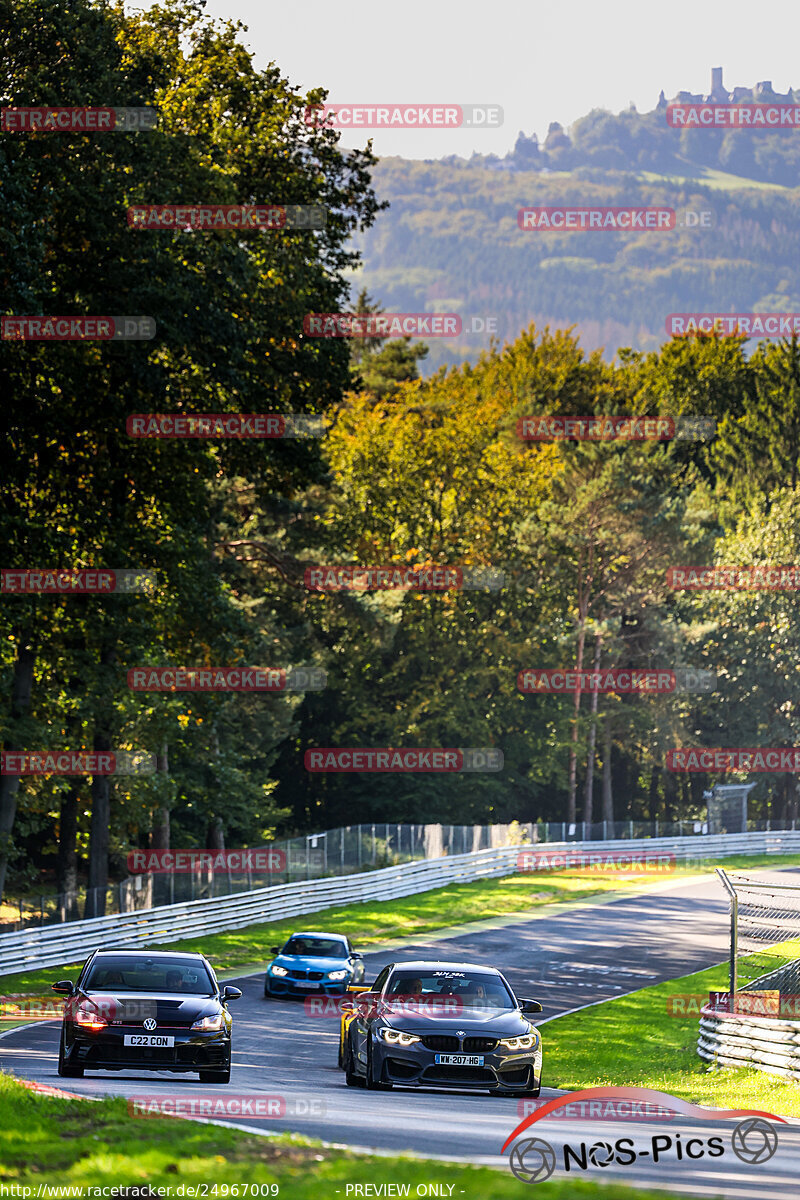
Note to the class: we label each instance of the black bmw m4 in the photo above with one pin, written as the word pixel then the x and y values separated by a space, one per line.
pixel 146 1010
pixel 442 1024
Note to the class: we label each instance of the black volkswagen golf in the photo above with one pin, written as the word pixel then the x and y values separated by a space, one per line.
pixel 442 1024
pixel 146 1010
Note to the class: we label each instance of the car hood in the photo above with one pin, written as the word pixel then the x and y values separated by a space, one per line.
pixel 303 962
pixel 166 1008
pixel 488 1021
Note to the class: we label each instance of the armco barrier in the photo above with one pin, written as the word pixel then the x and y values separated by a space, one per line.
pixel 760 1043
pixel 34 948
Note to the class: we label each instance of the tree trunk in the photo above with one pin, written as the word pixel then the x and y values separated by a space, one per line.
pixel 652 795
pixel 99 838
pixel 160 836
pixel 619 780
pixel 21 686
pixel 670 796
pixel 585 585
pixel 573 751
pixel 67 861
pixel 608 797
pixel 99 828
pixel 215 836
pixel 588 815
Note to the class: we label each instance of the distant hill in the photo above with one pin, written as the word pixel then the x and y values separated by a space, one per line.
pixel 637 142
pixel 450 242
pixel 450 239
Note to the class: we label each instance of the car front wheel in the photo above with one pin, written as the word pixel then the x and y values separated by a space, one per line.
pixel 374 1085
pixel 218 1076
pixel 350 1077
pixel 65 1069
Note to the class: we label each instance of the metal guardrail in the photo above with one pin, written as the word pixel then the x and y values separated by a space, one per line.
pixel 52 945
pixel 771 1046
pixel 342 851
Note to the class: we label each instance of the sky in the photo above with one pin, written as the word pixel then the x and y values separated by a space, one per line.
pixel 539 62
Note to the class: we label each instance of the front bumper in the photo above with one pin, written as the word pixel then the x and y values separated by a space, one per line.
pixel 106 1051
pixel 289 987
pixel 416 1066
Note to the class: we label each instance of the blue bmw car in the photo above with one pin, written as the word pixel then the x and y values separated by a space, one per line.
pixel 314 964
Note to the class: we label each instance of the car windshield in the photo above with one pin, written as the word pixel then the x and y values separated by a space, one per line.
pixel 474 990
pixel 315 947
pixel 149 974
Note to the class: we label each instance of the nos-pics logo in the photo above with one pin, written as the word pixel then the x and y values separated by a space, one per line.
pixel 753 1140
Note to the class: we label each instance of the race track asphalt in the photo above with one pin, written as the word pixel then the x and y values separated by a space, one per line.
pixel 565 959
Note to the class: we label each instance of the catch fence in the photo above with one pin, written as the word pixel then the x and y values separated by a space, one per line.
pixel 343 851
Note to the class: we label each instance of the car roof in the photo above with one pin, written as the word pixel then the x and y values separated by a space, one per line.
pixel 425 964
pixel 150 954
pixel 340 937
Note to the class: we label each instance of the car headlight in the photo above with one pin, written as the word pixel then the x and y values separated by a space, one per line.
pixel 338 974
pixel 525 1042
pixel 88 1017
pixel 208 1024
pixel 396 1037
pixel 278 970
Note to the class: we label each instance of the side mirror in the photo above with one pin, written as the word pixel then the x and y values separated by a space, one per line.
pixel 367 1003
pixel 530 1006
pixel 275 950
pixel 64 987
pixel 230 993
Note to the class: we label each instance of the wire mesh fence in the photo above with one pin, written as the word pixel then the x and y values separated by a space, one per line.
pixel 340 851
pixel 765 934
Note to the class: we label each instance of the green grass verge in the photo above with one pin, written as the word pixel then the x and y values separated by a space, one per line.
pixel 633 1041
pixel 378 921
pixel 50 1140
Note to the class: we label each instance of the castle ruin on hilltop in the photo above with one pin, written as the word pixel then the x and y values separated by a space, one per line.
pixel 720 95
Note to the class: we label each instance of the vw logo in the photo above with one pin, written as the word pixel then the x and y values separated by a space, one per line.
pixel 754 1140
pixel 149 1023
pixel 532 1160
